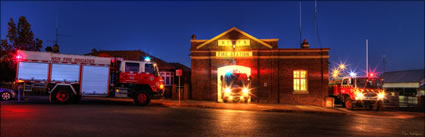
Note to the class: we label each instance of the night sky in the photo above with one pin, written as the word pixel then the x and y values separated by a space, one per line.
pixel 395 29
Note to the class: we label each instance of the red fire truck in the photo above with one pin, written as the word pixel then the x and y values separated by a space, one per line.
pixel 366 92
pixel 236 87
pixel 69 77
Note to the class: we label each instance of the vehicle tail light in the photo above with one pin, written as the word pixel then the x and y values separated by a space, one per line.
pixel 19 57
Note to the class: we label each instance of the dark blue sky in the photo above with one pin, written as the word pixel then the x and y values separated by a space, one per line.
pixel 164 29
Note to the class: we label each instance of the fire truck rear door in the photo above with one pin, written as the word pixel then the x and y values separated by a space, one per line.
pixel 95 80
pixel 65 72
pixel 33 71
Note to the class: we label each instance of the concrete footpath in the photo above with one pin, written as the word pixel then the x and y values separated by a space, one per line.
pixel 246 106
pixel 288 108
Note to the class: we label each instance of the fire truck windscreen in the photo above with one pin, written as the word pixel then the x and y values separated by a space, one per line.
pixel 236 79
pixel 369 83
pixel 134 67
pixel 151 68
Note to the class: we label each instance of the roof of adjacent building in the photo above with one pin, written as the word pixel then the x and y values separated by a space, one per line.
pixel 133 55
pixel 180 66
pixel 404 76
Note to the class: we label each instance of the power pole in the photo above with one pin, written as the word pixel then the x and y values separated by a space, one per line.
pixel 301 27
pixel 57 30
pixel 367 57
pixel 384 61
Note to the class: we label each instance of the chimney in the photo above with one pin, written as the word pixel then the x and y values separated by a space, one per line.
pixel 305 44
pixel 193 37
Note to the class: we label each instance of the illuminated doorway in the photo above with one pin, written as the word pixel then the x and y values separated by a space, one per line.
pixel 224 84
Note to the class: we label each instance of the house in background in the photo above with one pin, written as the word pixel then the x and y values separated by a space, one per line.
pixel 405 87
pixel 185 86
pixel 166 70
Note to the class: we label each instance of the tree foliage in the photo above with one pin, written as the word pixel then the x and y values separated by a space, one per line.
pixel 19 37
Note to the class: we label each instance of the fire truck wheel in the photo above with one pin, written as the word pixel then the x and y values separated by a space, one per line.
pixel 348 104
pixel 142 99
pixel 61 96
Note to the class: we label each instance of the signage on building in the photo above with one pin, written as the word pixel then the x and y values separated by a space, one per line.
pixel 179 72
pixel 233 53
pixel 239 42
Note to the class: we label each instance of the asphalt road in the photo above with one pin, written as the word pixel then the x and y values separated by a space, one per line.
pixel 114 118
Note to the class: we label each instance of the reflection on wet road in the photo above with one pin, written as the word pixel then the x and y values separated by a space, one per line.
pixel 128 120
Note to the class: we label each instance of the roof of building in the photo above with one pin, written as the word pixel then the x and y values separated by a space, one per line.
pixel 404 76
pixel 240 31
pixel 133 55
pixel 180 66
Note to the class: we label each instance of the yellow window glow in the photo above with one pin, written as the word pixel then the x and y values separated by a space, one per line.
pixel 300 80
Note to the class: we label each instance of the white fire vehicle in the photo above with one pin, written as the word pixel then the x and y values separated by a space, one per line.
pixel 69 77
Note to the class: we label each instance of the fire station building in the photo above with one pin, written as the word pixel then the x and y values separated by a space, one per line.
pixel 276 75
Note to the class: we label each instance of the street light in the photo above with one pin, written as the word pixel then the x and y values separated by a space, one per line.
pixel 352 74
pixel 341 66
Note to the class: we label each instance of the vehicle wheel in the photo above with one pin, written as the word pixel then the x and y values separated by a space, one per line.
pixel 5 96
pixel 379 106
pixel 348 104
pixel 61 96
pixel 142 99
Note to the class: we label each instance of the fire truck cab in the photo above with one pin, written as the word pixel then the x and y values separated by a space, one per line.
pixel 366 92
pixel 236 87
pixel 69 77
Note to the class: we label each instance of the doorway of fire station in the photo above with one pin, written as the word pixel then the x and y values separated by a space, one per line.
pixel 233 84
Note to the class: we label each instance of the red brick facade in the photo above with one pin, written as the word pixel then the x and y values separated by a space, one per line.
pixel 271 69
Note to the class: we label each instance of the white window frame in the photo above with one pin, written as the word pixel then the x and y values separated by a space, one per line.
pixel 169 75
pixel 299 84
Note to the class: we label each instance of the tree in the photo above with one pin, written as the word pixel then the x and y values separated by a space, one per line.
pixel 55 48
pixel 48 49
pixel 19 37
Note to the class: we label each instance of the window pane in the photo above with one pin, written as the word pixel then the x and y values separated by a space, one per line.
pixel 296 74
pixel 149 68
pixel 296 84
pixel 303 84
pixel 134 67
pixel 303 74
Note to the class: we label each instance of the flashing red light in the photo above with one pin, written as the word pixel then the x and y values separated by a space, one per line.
pixel 18 57
pixel 371 74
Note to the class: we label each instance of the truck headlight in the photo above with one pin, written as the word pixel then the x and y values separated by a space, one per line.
pixel 359 96
pixel 227 90
pixel 381 95
pixel 245 90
